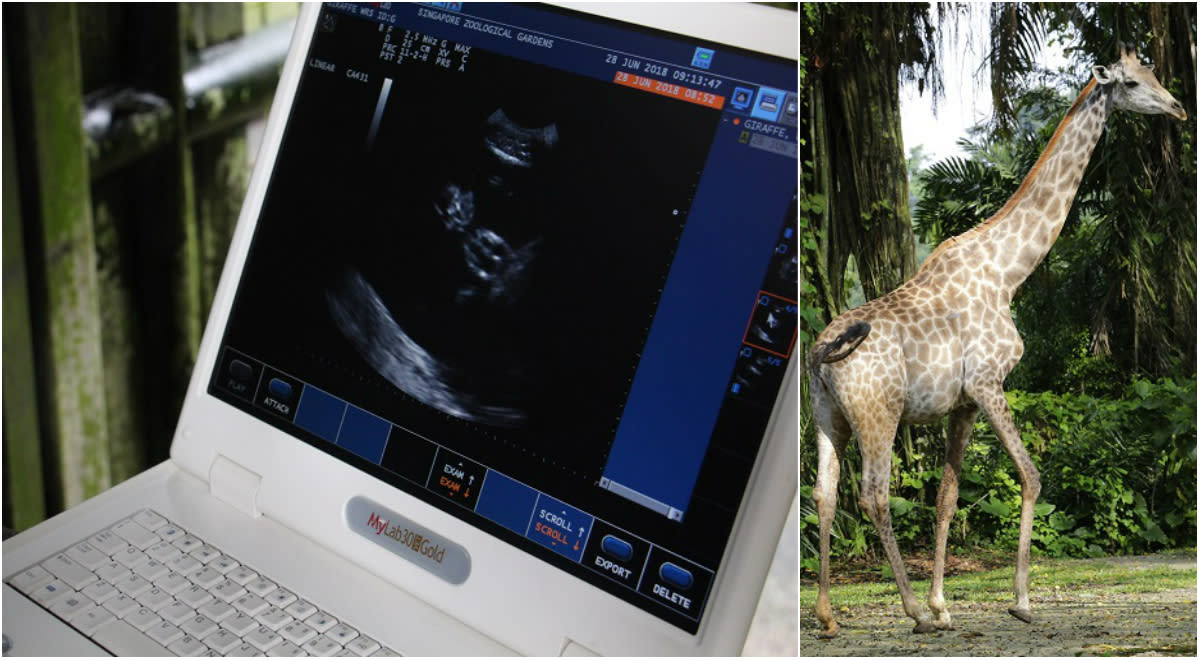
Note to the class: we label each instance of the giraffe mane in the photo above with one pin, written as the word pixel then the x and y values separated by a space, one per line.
pixel 1025 183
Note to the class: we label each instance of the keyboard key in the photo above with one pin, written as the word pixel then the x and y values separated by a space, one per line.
pixel 346 653
pixel 363 645
pixel 263 638
pixel 50 592
pixel 177 612
pixel 286 650
pixel 194 596
pixel 228 590
pixel 170 533
pixel 322 647
pixel 149 519
pixel 107 542
pixel 163 551
pixel 241 575
pixel 297 633
pixel 187 647
pixel 155 599
pixel 250 604
pixel 164 633
pixel 87 556
pixel 187 543
pixel 341 633
pixel 90 618
pixel 130 557
pixel 385 652
pixel 172 583
pixel 321 621
pixel 240 624
pixel 142 619
pixel 112 571
pixel 281 598
pixel 224 564
pixel 184 564
pixel 260 586
pixel 135 535
pixel 244 651
pixel 69 571
pixel 122 639
pixel 133 586
pixel 152 570
pixel 274 618
pixel 301 609
pixel 205 554
pixel 206 577
pixel 218 610
pixel 222 641
pixel 68 605
pixel 121 606
pixel 199 626
pixel 100 591
pixel 31 578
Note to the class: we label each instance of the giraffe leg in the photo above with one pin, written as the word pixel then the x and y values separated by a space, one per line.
pixel 958 433
pixel 877 463
pixel 832 434
pixel 991 400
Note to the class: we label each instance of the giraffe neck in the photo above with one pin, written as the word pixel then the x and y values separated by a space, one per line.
pixel 1018 237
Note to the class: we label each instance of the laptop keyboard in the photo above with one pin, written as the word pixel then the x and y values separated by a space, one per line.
pixel 145 586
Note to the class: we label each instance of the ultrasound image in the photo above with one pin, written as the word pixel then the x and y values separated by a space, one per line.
pixel 486 269
pixel 492 275
pixel 364 319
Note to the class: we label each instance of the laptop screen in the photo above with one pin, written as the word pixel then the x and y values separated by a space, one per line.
pixel 537 269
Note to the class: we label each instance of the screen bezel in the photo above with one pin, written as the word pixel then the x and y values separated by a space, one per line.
pixel 501 572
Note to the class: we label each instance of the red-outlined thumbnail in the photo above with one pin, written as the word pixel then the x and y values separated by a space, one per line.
pixel 759 309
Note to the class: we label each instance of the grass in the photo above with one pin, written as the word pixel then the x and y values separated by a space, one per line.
pixel 1112 575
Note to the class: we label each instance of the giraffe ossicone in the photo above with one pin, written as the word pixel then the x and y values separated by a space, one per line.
pixel 943 342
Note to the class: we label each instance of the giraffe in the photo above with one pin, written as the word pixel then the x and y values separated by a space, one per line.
pixel 943 343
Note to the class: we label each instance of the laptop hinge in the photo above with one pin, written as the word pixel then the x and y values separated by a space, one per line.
pixel 573 649
pixel 234 485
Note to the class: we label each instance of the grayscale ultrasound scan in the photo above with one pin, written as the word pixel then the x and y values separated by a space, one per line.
pixel 490 279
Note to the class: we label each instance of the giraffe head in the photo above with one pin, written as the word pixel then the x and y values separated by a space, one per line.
pixel 1135 88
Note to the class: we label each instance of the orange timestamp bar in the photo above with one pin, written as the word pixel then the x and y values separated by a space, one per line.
pixel 663 88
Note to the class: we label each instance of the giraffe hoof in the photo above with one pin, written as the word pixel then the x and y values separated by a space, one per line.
pixel 829 633
pixel 1022 614
pixel 925 627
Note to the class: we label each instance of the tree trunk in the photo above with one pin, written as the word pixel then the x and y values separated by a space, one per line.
pixel 858 165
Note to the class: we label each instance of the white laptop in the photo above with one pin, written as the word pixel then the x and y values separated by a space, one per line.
pixel 500 362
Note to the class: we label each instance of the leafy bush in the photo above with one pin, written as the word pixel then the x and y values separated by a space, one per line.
pixel 1118 476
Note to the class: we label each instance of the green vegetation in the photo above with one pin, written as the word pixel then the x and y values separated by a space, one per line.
pixel 1118 476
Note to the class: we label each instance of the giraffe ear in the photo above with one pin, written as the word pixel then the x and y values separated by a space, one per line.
pixel 1102 75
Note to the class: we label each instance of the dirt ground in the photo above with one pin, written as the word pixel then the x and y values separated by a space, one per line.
pixel 1080 622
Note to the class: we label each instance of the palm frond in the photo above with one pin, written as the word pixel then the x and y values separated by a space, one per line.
pixel 1018 31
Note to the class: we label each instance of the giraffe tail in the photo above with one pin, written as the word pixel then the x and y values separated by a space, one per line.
pixel 842 345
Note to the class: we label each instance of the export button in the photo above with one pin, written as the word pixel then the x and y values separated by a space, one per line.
pixel 616 554
pixel 616 548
